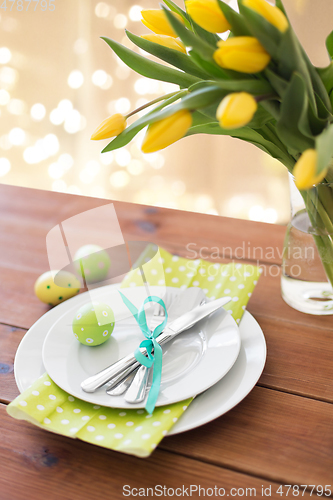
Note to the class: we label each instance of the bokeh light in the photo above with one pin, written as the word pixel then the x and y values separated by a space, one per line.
pixel 75 79
pixel 37 111
pixel 4 166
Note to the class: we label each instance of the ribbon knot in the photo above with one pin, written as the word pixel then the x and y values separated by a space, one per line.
pixel 154 350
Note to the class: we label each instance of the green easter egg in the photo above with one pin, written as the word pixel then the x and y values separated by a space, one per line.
pixel 52 294
pixel 93 261
pixel 93 323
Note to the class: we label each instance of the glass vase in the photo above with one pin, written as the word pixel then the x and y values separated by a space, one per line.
pixel 307 261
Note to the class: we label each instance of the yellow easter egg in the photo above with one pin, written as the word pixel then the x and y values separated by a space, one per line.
pixel 52 294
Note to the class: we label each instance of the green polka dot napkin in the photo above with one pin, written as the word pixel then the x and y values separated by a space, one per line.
pixel 134 431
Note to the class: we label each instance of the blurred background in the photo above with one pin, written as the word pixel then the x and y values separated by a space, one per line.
pixel 59 80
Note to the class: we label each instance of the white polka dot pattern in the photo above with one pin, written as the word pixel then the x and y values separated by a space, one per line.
pixel 134 430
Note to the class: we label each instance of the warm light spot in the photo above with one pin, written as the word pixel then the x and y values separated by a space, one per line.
pixel 256 213
pixel 73 122
pixel 99 77
pixel 123 157
pixel 119 179
pixel 55 171
pixel 4 166
pixel 75 79
pixel 8 76
pixel 270 215
pixel 59 185
pixel 73 189
pixel 37 111
pixel 56 117
pixel 80 46
pixel 51 144
pixel 4 97
pixel 106 158
pixel 135 167
pixel 66 161
pixel 122 105
pixel 5 55
pixel 102 9
pixel 16 107
pixel 65 106
pixel 5 142
pixel 178 188
pixel 16 136
pixel 120 21
pixel 135 13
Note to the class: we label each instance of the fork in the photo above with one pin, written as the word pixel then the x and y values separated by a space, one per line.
pixel 137 389
pixel 126 379
pixel 138 386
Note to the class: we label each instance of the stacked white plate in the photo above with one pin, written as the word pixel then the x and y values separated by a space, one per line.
pixel 216 361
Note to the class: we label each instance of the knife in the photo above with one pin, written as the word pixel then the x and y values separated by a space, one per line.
pixel 181 303
pixel 184 322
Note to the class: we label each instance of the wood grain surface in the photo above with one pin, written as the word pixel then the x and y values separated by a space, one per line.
pixel 282 433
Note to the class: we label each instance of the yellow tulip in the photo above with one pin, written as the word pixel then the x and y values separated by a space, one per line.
pixel 166 41
pixel 242 53
pixel 236 110
pixel 110 127
pixel 167 131
pixel 157 21
pixel 208 15
pixel 271 13
pixel 305 170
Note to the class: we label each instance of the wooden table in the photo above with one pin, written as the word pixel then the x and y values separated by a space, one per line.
pixel 282 433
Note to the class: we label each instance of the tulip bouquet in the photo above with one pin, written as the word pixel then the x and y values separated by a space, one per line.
pixel 255 83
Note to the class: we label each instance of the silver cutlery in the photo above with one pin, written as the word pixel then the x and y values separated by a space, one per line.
pixel 120 384
pixel 177 326
pixel 190 298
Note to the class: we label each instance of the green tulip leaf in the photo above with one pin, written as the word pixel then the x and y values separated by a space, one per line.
pixel 324 147
pixel 318 88
pixel 210 67
pixel 279 4
pixel 132 130
pixel 255 87
pixel 174 8
pixel 171 56
pixel 237 22
pixel 293 117
pixel 260 118
pixel 267 34
pixel 150 69
pixel 326 75
pixel 290 59
pixel 190 100
pixel 246 134
pixel 208 37
pixel 189 38
pixel 329 44
pixel 278 83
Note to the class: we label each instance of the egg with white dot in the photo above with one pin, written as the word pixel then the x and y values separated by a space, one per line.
pixel 86 327
pixel 93 262
pixel 54 287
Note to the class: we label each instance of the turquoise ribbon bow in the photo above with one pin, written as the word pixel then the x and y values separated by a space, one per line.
pixel 153 348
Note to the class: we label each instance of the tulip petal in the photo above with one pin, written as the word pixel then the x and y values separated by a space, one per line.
pixel 236 110
pixel 157 21
pixel 208 15
pixel 167 131
pixel 271 13
pixel 244 54
pixel 111 127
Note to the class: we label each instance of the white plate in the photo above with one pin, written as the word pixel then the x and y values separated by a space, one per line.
pixel 192 362
pixel 213 403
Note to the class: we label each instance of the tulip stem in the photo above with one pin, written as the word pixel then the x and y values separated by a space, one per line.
pixel 154 101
